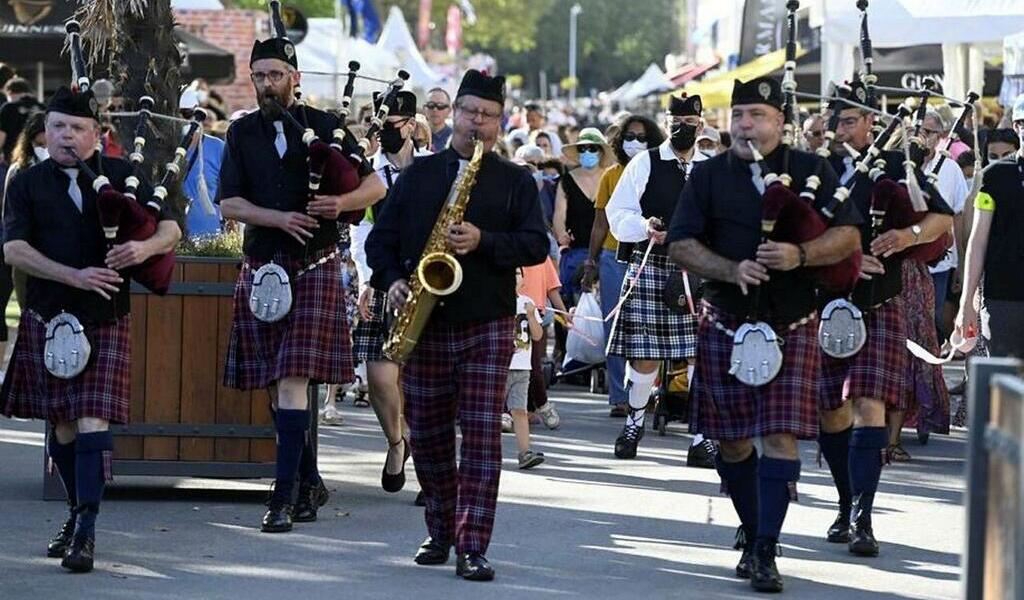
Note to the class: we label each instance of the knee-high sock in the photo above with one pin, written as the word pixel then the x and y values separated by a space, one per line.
pixel 308 471
pixel 292 429
pixel 639 387
pixel 90 476
pixel 773 477
pixel 741 481
pixel 63 456
pixel 866 445
pixel 835 447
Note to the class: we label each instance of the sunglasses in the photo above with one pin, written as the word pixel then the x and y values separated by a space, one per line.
pixel 589 148
pixel 436 106
pixel 630 136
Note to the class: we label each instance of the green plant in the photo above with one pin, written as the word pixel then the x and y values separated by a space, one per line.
pixel 224 245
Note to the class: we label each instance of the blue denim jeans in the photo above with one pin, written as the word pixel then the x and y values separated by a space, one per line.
pixel 570 262
pixel 941 281
pixel 611 273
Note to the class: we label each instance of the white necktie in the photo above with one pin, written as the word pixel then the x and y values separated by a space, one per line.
pixel 280 142
pixel 848 171
pixel 755 176
pixel 73 190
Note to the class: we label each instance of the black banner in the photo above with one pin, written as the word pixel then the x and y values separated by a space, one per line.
pixel 34 18
pixel 764 29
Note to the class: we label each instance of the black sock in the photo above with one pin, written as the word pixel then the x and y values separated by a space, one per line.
pixel 63 456
pixel 90 476
pixel 741 481
pixel 292 427
pixel 308 471
pixel 773 477
pixel 866 444
pixel 835 447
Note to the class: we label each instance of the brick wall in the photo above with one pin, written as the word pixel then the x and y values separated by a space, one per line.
pixel 233 30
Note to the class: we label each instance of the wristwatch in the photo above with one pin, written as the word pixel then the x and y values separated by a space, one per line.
pixel 916 230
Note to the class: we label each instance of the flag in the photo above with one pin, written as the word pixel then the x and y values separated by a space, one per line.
pixel 371 21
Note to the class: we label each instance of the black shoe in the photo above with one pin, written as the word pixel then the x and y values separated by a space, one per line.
pixel 702 455
pixel 79 555
pixel 394 483
pixel 839 532
pixel 862 540
pixel 764 575
pixel 474 567
pixel 619 411
pixel 311 498
pixel 58 545
pixel 278 517
pixel 421 499
pixel 432 552
pixel 629 439
pixel 745 566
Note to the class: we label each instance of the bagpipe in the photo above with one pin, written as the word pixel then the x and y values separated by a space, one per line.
pixel 122 217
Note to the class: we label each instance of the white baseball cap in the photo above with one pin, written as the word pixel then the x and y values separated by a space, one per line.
pixel 710 133
pixel 189 99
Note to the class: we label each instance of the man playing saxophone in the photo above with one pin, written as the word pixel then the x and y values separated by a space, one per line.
pixel 458 367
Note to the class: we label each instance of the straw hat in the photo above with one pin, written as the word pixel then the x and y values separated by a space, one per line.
pixel 590 136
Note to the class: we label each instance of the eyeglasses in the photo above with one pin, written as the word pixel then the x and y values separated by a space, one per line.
pixel 813 134
pixel 436 106
pixel 930 132
pixel 477 113
pixel 629 136
pixel 589 148
pixel 259 77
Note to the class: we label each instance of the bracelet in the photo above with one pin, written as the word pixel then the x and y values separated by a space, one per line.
pixel 803 255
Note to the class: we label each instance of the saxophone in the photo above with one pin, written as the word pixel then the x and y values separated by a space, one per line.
pixel 438 272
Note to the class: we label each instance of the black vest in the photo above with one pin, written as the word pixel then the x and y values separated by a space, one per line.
pixel 664 186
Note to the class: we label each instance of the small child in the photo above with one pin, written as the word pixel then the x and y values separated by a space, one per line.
pixel 527 331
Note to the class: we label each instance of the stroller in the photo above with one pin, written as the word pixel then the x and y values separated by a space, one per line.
pixel 671 397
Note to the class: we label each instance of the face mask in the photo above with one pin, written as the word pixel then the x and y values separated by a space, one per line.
pixel 391 140
pixel 633 147
pixel 683 136
pixel 710 152
pixel 589 160
pixel 41 153
pixel 538 176
pixel 202 95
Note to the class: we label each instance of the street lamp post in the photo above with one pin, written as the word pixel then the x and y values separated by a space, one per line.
pixel 573 13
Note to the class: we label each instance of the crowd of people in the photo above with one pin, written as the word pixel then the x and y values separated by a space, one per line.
pixel 657 217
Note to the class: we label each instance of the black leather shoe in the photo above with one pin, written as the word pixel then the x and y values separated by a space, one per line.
pixel 862 540
pixel 311 498
pixel 79 556
pixel 702 455
pixel 745 566
pixel 839 532
pixel 432 552
pixel 394 483
pixel 474 567
pixel 627 442
pixel 764 576
pixel 278 517
pixel 58 545
pixel 421 499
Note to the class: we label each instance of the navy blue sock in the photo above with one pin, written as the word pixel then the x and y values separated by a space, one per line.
pixel 308 471
pixel 63 456
pixel 741 480
pixel 90 476
pixel 773 477
pixel 292 427
pixel 835 447
pixel 866 444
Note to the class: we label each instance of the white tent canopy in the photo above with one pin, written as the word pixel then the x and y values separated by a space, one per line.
pixel 652 81
pixel 397 39
pixel 617 94
pixel 197 5
pixel 328 49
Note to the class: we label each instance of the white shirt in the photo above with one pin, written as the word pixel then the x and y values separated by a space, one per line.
pixel 625 218
pixel 359 232
pixel 954 189
pixel 523 340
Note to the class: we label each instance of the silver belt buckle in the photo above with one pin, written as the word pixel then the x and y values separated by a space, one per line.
pixel 841 333
pixel 756 356
pixel 271 297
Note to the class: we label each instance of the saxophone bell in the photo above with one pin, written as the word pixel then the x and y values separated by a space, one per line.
pixel 440 273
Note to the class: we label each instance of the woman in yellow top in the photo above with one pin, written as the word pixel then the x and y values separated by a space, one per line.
pixel 633 135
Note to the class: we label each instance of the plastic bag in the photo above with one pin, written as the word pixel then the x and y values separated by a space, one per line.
pixel 585 341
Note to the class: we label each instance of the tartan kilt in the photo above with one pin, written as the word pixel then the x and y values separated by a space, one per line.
pixel 311 341
pixel 645 328
pixel 725 409
pixel 877 371
pixel 369 334
pixel 101 391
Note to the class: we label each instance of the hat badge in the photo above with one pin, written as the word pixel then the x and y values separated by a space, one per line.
pixel 861 95
pixel 696 105
pixel 289 50
pixel 93 105
pixel 764 90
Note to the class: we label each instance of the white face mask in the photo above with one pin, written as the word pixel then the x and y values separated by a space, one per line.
pixel 41 153
pixel 633 147
pixel 202 95
pixel 710 152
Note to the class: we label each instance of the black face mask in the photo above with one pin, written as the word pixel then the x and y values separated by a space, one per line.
pixel 391 140
pixel 683 136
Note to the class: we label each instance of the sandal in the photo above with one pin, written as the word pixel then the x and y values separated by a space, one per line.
pixel 896 453
pixel 361 401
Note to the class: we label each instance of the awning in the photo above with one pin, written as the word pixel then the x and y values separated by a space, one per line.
pixel 203 59
pixel 716 91
pixel 688 73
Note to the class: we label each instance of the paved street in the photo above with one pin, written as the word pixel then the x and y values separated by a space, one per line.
pixel 583 525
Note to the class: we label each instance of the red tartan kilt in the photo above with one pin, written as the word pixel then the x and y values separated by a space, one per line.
pixel 102 391
pixel 877 371
pixel 311 341
pixel 725 409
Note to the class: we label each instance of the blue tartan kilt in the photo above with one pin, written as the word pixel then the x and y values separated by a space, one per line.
pixel 369 334
pixel 645 328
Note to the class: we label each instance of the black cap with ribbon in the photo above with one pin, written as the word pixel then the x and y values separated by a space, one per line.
pixel 77 104
pixel 403 104
pixel 480 84
pixel 762 90
pixel 685 106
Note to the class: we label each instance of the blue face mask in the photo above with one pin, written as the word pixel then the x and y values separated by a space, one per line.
pixel 589 160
